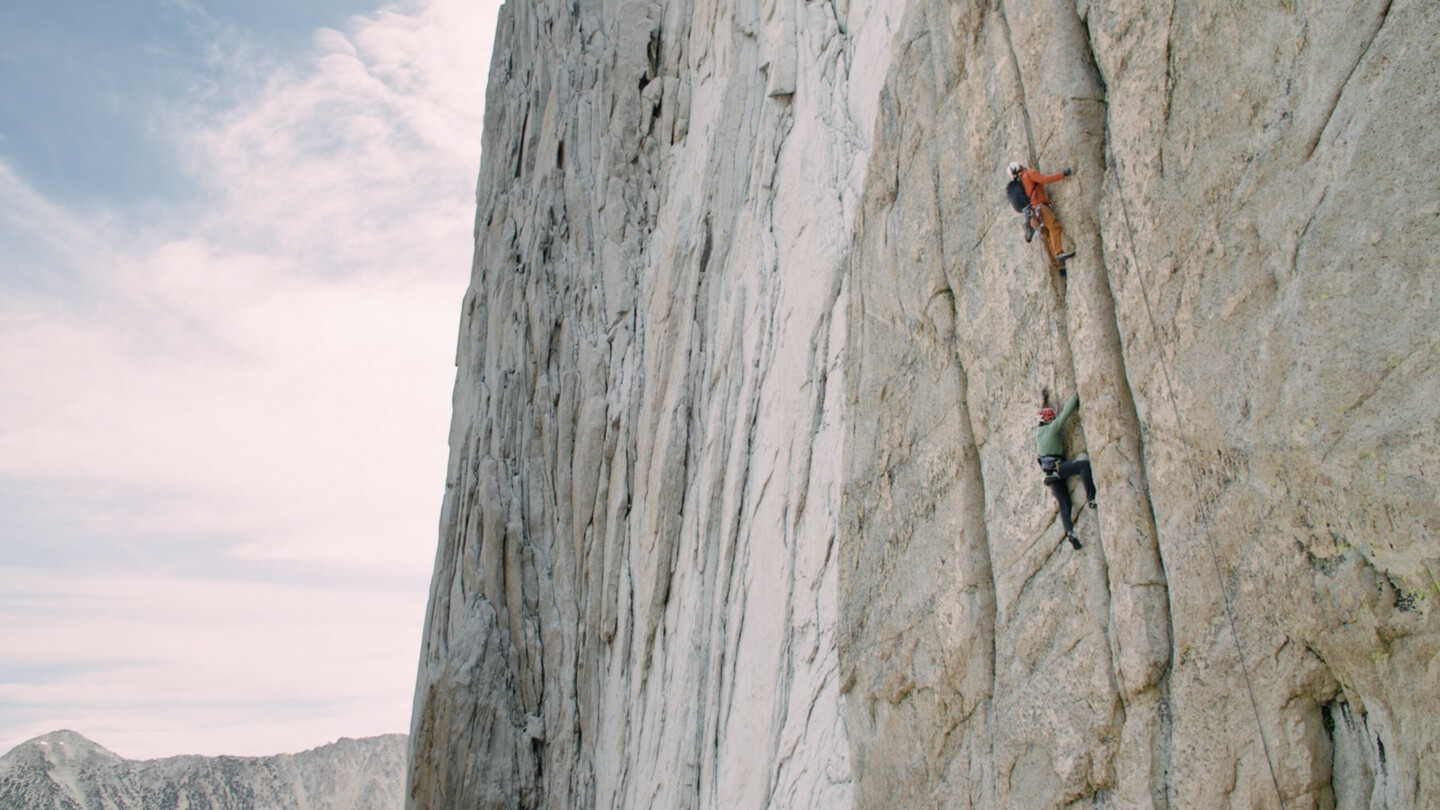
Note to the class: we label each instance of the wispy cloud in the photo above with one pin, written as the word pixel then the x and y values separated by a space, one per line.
pixel 227 667
pixel 256 383
pixel 349 154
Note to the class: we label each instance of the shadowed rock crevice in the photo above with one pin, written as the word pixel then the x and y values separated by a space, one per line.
pixel 1019 84
pixel 1379 23
pixel 1140 621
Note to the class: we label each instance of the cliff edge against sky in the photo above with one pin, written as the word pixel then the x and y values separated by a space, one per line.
pixel 742 508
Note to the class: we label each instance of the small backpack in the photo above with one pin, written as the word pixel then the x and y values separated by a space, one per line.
pixel 1015 191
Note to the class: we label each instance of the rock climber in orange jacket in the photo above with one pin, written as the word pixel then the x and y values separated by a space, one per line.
pixel 1039 214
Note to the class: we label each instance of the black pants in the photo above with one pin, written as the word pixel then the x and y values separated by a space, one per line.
pixel 1080 467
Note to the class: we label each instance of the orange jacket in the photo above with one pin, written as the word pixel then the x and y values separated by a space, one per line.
pixel 1034 183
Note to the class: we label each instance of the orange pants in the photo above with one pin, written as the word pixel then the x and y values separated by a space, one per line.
pixel 1049 228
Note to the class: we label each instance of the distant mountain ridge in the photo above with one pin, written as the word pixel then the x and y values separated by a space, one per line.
pixel 65 771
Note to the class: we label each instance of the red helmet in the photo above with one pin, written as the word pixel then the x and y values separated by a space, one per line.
pixel 1045 415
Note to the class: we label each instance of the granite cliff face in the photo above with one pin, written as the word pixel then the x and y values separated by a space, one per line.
pixel 65 771
pixel 742 508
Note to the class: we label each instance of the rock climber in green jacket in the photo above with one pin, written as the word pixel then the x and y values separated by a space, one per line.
pixel 1050 448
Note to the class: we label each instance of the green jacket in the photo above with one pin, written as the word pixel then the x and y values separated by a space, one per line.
pixel 1050 439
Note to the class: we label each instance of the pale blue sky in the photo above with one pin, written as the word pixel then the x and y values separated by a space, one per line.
pixel 85 83
pixel 234 235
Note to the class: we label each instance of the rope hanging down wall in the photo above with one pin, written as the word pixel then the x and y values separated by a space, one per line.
pixel 1205 523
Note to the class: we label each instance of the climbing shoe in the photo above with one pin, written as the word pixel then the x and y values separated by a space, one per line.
pixel 1074 541
pixel 1063 257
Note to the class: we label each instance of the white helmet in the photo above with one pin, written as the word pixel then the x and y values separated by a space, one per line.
pixel 1015 168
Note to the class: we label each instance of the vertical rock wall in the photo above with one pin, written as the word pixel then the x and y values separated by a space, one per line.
pixel 1245 325
pixel 742 508
pixel 634 598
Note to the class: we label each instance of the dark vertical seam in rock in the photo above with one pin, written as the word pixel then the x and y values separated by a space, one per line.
pixel 719 585
pixel 707 738
pixel 1162 685
pixel 783 126
pixel 1169 89
pixel 977 496
pixel 669 535
pixel 1299 240
pixel 1019 82
pixel 820 367
pixel 1161 742
pixel 764 367
pixel 782 711
pixel 937 71
pixel 1195 483
pixel 972 491
pixel 989 582
pixel 969 464
pixel 706 609
pixel 725 688
pixel 725 692
pixel 1340 91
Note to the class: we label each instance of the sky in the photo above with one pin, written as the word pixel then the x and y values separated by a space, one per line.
pixel 234 238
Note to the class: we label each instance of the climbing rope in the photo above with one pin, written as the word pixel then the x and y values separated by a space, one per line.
pixel 1194 476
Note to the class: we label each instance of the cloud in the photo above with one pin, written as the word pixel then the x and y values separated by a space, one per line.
pixel 223 421
pixel 346 156
pixel 139 663
pixel 288 349
pixel 312 412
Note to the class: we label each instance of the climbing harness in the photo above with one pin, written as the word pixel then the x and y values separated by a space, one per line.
pixel 1194 476
pixel 1050 465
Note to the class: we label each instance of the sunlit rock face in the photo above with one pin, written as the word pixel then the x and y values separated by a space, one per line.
pixel 65 771
pixel 742 509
